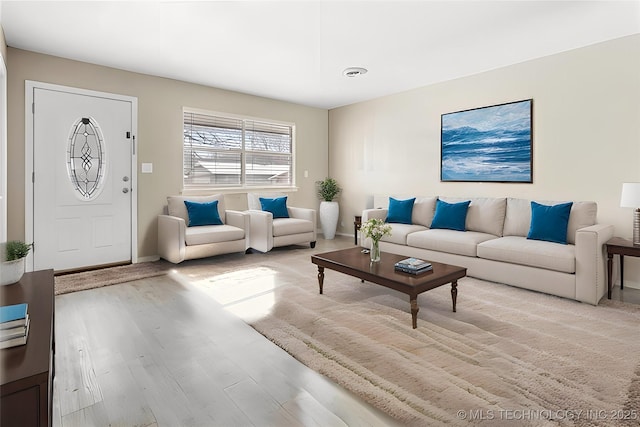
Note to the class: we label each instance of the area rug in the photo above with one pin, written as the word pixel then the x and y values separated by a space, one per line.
pixel 508 356
pixel 109 276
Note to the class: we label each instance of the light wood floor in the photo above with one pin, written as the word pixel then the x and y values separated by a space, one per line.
pixel 167 351
pixel 163 352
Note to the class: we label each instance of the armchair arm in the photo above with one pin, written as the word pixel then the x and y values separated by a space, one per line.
pixel 302 213
pixel 591 276
pixel 305 213
pixel 240 220
pixel 261 230
pixel 171 238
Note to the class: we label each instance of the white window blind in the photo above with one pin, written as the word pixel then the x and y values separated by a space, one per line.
pixel 224 151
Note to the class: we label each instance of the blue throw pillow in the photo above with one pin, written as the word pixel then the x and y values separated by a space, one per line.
pixel 203 213
pixel 400 210
pixel 452 216
pixel 549 223
pixel 277 206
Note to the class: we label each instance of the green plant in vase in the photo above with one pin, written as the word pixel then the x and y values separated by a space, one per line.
pixel 13 257
pixel 328 190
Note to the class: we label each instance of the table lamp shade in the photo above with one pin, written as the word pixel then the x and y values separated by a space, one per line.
pixel 631 199
pixel 630 195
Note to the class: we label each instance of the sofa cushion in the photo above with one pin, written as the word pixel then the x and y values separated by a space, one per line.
pixel 288 226
pixel 400 232
pixel 485 215
pixel 423 210
pixel 176 206
pixel 400 211
pixel 202 213
pixel 212 234
pixel 518 218
pixel 451 241
pixel 549 222
pixel 534 253
pixel 452 216
pixel 277 206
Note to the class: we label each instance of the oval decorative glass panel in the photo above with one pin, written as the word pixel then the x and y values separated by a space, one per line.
pixel 86 161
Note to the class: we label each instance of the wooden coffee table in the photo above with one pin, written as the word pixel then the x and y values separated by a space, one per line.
pixel 357 264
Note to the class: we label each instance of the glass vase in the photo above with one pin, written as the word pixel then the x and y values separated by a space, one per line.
pixel 375 251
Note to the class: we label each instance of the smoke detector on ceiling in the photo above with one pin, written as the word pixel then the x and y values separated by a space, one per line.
pixel 354 71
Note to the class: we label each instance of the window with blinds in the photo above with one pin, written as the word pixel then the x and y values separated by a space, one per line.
pixel 224 151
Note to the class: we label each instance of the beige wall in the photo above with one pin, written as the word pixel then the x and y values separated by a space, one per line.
pixel 586 137
pixel 160 103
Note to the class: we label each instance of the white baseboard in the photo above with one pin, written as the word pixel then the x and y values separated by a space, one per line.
pixel 628 284
pixel 150 258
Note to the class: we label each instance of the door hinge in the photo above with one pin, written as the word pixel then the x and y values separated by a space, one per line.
pixel 134 145
pixel 33 108
pixel 33 177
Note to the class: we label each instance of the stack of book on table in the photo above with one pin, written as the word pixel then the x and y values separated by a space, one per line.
pixel 413 266
pixel 14 325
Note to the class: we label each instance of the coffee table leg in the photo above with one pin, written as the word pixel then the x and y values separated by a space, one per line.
pixel 414 311
pixel 454 293
pixel 320 277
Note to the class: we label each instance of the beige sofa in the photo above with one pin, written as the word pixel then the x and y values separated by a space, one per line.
pixel 178 242
pixel 495 246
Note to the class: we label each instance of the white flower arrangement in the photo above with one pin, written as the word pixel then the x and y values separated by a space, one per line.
pixel 375 229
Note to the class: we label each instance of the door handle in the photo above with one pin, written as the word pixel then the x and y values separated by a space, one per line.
pixel 125 190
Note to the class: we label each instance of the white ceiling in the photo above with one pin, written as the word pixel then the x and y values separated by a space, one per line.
pixel 296 50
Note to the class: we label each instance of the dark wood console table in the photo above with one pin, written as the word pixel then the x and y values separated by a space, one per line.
pixel 622 247
pixel 26 384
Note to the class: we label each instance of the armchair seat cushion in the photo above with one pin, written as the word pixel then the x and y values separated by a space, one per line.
pixel 288 226
pixel 212 234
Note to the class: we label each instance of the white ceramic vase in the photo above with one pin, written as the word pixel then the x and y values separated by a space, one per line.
pixel 329 212
pixel 11 271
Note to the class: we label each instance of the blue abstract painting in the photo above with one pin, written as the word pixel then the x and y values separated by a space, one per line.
pixel 489 144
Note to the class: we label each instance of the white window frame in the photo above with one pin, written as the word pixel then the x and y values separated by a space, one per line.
pixel 242 187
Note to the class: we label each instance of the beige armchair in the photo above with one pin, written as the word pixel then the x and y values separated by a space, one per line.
pixel 178 242
pixel 267 232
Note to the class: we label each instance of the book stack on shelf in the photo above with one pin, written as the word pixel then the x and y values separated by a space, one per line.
pixel 413 266
pixel 14 325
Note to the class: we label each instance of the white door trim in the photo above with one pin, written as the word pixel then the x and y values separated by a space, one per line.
pixel 28 132
pixel 3 150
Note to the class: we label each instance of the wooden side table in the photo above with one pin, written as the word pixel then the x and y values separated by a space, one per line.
pixel 622 247
pixel 26 385
pixel 357 223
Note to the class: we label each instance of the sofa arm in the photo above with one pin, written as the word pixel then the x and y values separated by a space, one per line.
pixel 367 214
pixel 260 230
pixel 171 238
pixel 380 213
pixel 591 272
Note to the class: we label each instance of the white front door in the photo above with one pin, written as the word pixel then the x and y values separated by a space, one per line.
pixel 82 181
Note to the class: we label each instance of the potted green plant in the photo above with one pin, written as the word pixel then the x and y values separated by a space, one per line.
pixel 328 190
pixel 13 255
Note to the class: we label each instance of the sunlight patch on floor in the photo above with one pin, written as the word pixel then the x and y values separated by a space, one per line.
pixel 247 293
